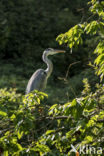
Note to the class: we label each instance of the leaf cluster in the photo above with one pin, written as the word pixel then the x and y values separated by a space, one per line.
pixel 95 28
pixel 33 128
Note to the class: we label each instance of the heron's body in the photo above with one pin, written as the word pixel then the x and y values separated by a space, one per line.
pixel 39 76
pixel 38 80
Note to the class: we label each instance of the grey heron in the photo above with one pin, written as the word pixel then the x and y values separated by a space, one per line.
pixel 38 80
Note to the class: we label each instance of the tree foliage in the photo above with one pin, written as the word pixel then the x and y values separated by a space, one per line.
pixel 95 28
pixel 30 127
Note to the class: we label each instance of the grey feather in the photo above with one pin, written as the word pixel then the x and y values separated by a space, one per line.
pixel 37 81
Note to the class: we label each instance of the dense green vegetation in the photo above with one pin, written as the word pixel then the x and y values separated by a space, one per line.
pixel 72 113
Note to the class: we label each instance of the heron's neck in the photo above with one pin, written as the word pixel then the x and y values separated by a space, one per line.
pixel 49 65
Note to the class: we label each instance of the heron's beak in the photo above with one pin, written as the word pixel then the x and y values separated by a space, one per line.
pixel 59 51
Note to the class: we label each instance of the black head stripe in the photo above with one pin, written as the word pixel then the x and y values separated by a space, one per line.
pixel 49 49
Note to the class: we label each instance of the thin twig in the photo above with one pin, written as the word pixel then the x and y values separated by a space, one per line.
pixel 70 67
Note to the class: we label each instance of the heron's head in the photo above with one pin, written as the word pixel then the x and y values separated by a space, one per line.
pixel 50 51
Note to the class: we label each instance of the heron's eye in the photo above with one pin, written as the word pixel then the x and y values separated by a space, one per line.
pixel 49 49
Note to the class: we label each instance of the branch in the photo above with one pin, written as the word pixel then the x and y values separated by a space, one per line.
pixel 58 117
pixel 52 118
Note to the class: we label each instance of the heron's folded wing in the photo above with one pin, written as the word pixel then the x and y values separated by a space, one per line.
pixel 37 81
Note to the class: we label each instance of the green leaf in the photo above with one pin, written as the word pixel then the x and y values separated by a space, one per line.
pixel 19 146
pixel 20 134
pixel 44 94
pixel 53 106
pixel 13 117
pixel 71 132
pixel 99 59
pixel 74 102
pixel 89 138
pixel 6 153
pixel 3 113
pixel 49 131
